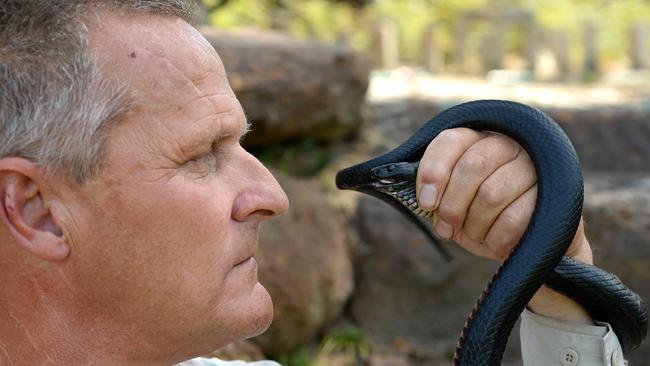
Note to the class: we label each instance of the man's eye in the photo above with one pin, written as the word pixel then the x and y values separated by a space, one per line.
pixel 205 163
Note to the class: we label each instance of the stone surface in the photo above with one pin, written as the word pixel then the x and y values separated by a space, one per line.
pixel 617 223
pixel 407 298
pixel 305 264
pixel 379 359
pixel 293 89
pixel 608 138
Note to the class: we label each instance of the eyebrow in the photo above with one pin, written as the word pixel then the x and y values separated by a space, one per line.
pixel 242 133
pixel 248 128
pixel 197 144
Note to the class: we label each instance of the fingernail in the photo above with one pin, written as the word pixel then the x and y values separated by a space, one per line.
pixel 444 229
pixel 428 195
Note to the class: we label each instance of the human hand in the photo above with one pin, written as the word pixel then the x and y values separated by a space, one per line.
pixel 483 188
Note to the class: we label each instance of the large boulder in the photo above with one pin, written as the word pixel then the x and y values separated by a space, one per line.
pixel 305 263
pixel 608 138
pixel 407 298
pixel 293 89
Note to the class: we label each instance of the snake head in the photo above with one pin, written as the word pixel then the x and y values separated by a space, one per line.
pixel 394 176
pixel 398 181
pixel 393 183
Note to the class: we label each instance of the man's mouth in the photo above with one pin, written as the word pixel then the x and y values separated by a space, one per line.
pixel 246 260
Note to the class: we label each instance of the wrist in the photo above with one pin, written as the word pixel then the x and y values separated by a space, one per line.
pixel 552 304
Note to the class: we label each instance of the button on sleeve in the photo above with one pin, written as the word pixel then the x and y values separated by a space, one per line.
pixel 546 341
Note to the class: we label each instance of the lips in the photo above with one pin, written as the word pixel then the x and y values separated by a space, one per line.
pixel 247 255
pixel 244 260
pixel 247 251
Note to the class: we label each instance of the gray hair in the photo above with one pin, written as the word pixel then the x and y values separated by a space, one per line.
pixel 54 100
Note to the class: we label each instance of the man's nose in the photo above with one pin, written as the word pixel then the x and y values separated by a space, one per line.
pixel 262 197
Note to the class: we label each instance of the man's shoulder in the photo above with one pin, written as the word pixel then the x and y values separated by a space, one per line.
pixel 216 362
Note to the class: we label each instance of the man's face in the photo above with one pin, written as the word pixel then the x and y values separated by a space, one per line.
pixel 161 238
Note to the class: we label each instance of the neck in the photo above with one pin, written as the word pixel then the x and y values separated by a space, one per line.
pixel 35 336
pixel 43 323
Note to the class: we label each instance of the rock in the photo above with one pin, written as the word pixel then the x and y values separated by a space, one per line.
pixel 305 264
pixel 617 224
pixel 407 298
pixel 293 89
pixel 608 138
pixel 379 359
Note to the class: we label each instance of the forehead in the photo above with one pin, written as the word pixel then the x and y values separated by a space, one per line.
pixel 166 63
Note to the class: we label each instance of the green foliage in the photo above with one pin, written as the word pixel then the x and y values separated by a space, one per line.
pixel 301 158
pixel 303 357
pixel 347 346
pixel 240 13
pixel 332 21
pixel 350 341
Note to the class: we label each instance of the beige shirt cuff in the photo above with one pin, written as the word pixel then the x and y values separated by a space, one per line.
pixel 547 341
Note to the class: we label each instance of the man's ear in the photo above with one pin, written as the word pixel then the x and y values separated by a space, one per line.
pixel 26 214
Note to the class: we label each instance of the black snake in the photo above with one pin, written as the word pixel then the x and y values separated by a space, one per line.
pixel 539 256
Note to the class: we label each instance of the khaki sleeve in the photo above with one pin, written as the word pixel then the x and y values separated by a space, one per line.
pixel 547 341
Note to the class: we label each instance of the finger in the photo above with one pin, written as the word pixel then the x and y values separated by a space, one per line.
pixel 476 247
pixel 438 161
pixel 498 191
pixel 473 167
pixel 511 224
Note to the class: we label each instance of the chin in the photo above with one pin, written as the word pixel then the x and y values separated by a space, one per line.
pixel 261 316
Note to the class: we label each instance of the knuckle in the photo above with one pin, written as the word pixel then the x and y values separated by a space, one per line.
pixel 503 140
pixel 472 233
pixel 432 172
pixel 454 135
pixel 474 161
pixel 511 220
pixel 501 247
pixel 451 214
pixel 490 195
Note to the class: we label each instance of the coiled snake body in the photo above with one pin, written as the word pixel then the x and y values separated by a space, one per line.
pixel 539 256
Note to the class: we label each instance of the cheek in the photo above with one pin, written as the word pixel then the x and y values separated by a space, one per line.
pixel 184 224
pixel 173 238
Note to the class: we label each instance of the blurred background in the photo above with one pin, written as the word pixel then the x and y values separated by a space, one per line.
pixel 330 83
